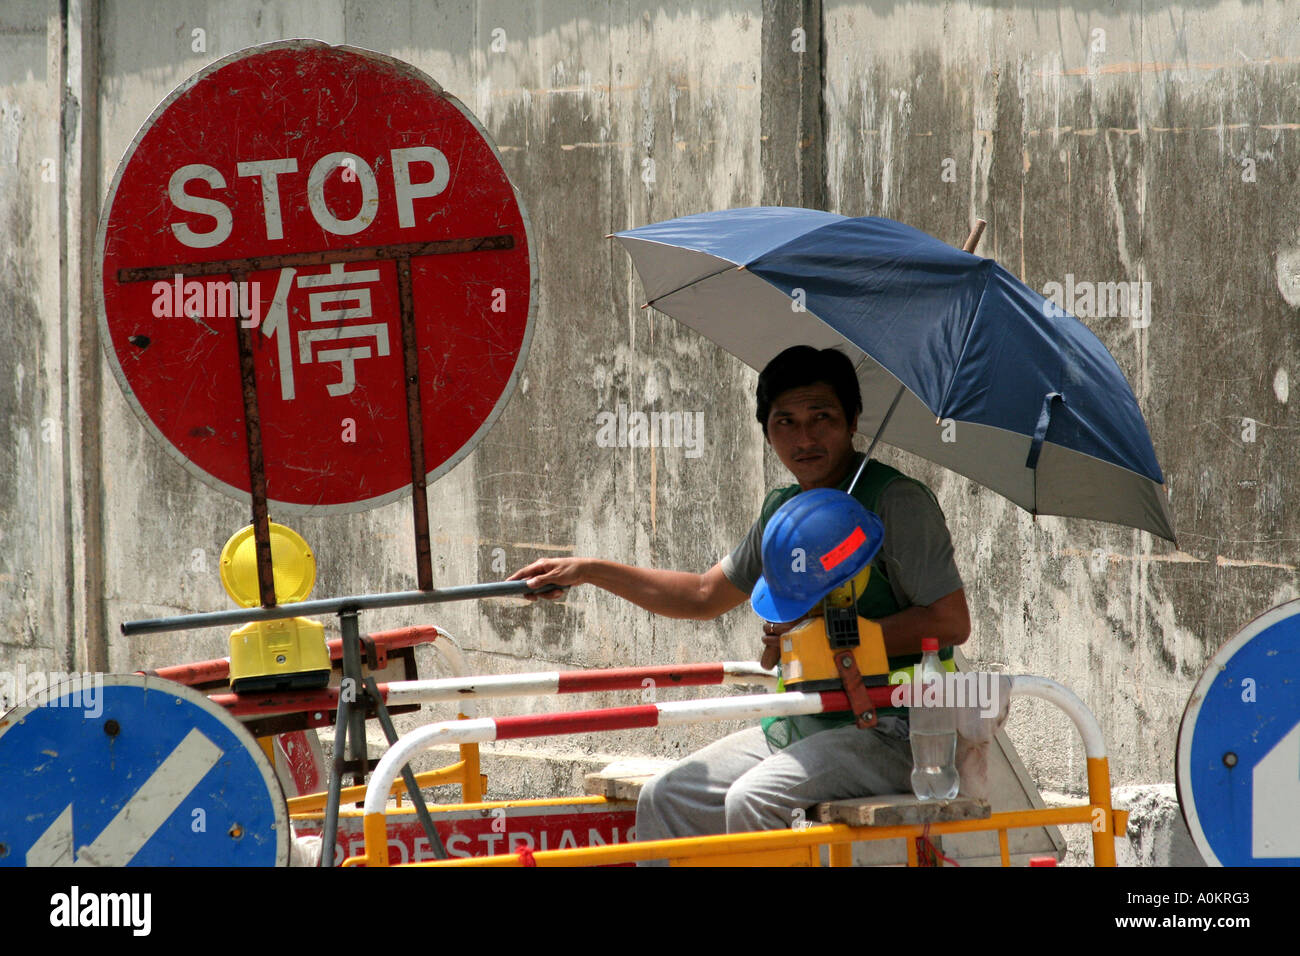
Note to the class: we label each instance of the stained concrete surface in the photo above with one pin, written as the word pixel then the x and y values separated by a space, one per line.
pixel 1159 150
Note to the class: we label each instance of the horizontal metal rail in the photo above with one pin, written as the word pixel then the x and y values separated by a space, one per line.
pixel 538 684
pixel 320 257
pixel 355 602
pixel 455 774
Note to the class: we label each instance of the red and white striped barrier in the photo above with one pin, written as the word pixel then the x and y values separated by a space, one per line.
pixel 750 707
pixel 484 729
pixel 538 684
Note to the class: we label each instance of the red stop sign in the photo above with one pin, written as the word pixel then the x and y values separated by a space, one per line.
pixel 290 186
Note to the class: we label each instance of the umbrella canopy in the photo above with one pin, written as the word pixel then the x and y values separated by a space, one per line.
pixel 1042 412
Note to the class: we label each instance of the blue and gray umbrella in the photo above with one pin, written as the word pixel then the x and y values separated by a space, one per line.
pixel 995 382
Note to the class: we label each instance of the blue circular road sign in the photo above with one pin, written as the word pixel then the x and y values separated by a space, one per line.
pixel 1238 765
pixel 130 770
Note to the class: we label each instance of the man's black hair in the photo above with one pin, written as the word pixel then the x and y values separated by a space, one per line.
pixel 804 365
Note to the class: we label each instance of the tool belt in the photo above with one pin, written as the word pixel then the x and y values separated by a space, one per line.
pixel 838 650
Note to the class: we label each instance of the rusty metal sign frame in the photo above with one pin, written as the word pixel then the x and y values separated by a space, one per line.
pixel 350 749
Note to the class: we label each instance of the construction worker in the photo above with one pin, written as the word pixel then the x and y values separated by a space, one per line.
pixel 808 405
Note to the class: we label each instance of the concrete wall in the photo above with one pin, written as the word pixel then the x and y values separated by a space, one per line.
pixel 1117 147
pixel 1161 149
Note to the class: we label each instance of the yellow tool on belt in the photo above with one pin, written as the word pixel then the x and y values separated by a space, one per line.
pixel 809 651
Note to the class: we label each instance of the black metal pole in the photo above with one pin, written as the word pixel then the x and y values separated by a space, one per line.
pixel 356 602
pixel 408 775
pixel 352 679
pixel 330 830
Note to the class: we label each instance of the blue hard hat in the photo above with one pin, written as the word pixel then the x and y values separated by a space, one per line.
pixel 815 542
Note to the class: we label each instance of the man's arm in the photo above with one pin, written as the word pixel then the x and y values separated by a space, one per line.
pixel 922 570
pixel 948 619
pixel 677 594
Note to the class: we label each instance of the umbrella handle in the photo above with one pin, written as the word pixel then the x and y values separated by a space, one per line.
pixel 973 239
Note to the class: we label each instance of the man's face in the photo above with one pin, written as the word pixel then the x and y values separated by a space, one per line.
pixel 809 433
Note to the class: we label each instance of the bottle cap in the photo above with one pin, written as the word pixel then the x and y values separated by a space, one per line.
pixel 929 644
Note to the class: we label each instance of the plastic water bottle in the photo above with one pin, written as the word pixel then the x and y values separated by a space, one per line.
pixel 933 732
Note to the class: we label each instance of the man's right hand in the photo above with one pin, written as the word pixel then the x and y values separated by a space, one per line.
pixel 557 572
pixel 772 632
pixel 676 594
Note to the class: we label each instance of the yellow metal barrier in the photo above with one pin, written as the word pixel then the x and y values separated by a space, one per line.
pixel 466 772
pixel 437 808
pixel 456 773
pixel 1103 824
pixel 769 848
pixel 779 847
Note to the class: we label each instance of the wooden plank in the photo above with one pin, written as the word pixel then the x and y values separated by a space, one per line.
pixel 892 810
pixel 623 779
pixel 614 788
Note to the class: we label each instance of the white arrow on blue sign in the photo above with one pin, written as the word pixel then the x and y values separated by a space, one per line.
pixel 149 773
pixel 1238 765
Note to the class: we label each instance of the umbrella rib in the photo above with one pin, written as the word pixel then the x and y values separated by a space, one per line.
pixel 711 275
pixel 988 265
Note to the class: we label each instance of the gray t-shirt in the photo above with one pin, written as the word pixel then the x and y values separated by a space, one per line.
pixel 916 555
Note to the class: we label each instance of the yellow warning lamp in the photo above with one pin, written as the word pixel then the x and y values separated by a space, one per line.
pixel 274 655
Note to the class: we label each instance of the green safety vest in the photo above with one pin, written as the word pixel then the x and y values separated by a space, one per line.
pixel 877 601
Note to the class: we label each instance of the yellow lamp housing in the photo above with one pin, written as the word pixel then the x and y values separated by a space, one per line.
pixel 808 663
pixel 274 655
pixel 279 655
pixel 293 566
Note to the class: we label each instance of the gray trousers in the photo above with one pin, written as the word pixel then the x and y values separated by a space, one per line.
pixel 741 784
